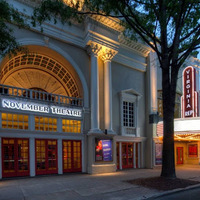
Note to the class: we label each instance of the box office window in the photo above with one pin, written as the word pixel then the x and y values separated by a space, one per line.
pixel 45 124
pixel 71 126
pixel 14 121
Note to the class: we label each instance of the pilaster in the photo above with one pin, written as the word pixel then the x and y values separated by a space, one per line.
pixel 107 55
pixel 94 50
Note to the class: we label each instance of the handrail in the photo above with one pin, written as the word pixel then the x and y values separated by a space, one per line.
pixel 39 95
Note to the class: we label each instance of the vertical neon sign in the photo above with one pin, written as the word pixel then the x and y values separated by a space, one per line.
pixel 189 99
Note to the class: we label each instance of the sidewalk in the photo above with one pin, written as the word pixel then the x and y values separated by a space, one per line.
pixel 110 186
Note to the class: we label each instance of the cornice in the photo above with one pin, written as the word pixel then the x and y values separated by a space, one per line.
pixel 134 45
pixel 130 62
pixel 100 39
pixel 109 22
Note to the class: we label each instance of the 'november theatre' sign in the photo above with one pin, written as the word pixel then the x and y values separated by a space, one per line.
pixel 35 107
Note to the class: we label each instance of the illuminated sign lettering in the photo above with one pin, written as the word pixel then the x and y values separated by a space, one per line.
pixel 35 107
pixel 189 98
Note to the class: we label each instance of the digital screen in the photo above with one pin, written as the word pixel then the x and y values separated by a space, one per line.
pixel 103 150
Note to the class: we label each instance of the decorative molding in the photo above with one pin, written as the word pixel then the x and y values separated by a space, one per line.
pixel 99 50
pixel 110 22
pixel 94 48
pixel 130 62
pixel 107 54
pixel 131 96
pixel 92 36
pixel 134 45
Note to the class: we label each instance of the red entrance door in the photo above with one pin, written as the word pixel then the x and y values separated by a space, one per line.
pixel 15 157
pixel 179 151
pixel 127 155
pixel 72 161
pixel 46 156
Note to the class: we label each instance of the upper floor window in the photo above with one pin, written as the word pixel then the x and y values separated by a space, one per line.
pixel 71 126
pixel 14 121
pixel 129 110
pixel 128 114
pixel 45 124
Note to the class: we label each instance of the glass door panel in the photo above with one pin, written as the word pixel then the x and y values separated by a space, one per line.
pixel 52 155
pixel 15 157
pixel 67 159
pixel 76 155
pixel 124 155
pixel 46 156
pixel 130 155
pixel 127 155
pixel 23 155
pixel 179 151
pixel 40 155
pixel 72 161
pixel 8 156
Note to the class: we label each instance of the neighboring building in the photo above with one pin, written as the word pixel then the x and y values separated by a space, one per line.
pixel 186 123
pixel 79 102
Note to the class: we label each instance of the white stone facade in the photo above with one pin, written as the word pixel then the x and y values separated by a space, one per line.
pixel 94 62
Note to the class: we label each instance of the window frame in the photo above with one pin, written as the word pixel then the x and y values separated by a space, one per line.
pixel 129 96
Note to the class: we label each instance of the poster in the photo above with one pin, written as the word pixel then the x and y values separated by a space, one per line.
pixel 103 150
pixel 158 151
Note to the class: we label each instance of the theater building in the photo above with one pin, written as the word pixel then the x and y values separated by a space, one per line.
pixel 78 102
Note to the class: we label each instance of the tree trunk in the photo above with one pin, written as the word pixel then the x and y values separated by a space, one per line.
pixel 169 93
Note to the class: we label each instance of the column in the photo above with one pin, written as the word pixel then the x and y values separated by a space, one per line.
pixel 120 155
pixel 94 52
pixel 107 56
pixel 153 83
pixel 32 156
pixel 60 161
pixel 134 155
pixel 139 155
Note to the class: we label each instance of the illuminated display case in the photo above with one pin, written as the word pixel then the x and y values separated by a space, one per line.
pixel 103 150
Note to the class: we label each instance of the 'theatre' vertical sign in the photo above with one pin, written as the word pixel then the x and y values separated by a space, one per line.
pixel 189 99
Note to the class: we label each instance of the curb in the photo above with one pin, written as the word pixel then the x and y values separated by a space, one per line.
pixel 170 192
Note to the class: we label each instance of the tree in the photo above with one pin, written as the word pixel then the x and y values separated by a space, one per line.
pixel 9 15
pixel 170 27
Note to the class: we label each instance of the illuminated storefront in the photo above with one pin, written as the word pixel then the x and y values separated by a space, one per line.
pixel 186 128
pixel 29 117
pixel 187 141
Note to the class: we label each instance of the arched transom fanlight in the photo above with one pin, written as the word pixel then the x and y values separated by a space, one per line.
pixel 44 69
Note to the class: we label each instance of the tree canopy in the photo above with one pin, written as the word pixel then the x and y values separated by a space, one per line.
pixel 9 15
pixel 170 27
